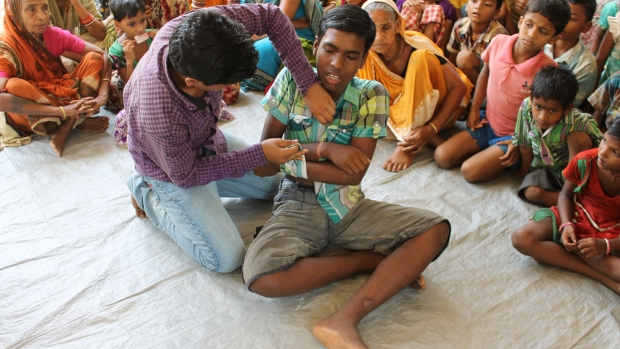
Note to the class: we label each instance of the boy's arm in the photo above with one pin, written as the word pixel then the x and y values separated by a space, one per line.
pixel 473 120
pixel 603 53
pixel 354 157
pixel 262 19
pixel 526 160
pixel 566 207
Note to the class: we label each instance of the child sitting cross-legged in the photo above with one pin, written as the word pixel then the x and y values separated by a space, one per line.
pixel 320 200
pixel 510 63
pixel 549 133
pixel 472 34
pixel 425 16
pixel 581 233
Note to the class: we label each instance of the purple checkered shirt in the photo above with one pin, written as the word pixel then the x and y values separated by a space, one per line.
pixel 168 135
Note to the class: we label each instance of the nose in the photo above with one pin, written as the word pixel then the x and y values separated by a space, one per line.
pixel 337 61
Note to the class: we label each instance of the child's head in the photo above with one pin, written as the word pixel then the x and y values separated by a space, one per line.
pixel 129 17
pixel 542 22
pixel 609 149
pixel 211 51
pixel 346 34
pixel 483 11
pixel 580 21
pixel 553 91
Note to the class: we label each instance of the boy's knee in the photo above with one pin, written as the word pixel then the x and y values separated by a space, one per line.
pixel 223 261
pixel 470 172
pixel 467 60
pixel 533 193
pixel 442 157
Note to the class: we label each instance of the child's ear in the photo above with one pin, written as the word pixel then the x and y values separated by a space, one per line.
pixel 363 60
pixel 587 27
pixel 190 82
pixel 567 110
pixel 117 25
pixel 315 46
pixel 520 19
pixel 554 39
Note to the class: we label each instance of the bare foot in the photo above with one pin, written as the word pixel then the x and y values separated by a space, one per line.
pixel 60 137
pixel 335 334
pixel 98 124
pixel 419 283
pixel 399 160
pixel 139 212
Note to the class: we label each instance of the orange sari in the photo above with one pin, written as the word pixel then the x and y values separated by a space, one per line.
pixel 38 76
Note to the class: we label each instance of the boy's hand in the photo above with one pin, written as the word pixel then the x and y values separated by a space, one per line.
pixel 282 150
pixel 128 46
pixel 591 247
pixel 512 155
pixel 348 158
pixel 569 238
pixel 320 103
pixel 474 121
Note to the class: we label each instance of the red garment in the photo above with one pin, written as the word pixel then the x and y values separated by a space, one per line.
pixel 603 210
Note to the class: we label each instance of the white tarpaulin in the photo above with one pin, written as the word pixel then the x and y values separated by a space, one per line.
pixel 79 270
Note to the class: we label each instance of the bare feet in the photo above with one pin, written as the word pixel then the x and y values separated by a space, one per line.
pixel 139 212
pixel 419 283
pixel 98 124
pixel 399 160
pixel 336 334
pixel 60 137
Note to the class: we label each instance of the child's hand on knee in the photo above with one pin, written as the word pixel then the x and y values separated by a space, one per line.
pixel 512 155
pixel 474 121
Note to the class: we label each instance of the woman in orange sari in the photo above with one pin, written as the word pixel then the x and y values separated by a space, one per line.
pixel 38 95
pixel 427 93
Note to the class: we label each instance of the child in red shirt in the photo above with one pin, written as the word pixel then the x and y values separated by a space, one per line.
pixel 586 222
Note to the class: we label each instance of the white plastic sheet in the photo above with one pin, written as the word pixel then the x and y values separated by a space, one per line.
pixel 79 270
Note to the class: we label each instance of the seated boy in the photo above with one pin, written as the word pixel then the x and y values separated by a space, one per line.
pixel 184 162
pixel 549 133
pixel 325 205
pixel 606 101
pixel 472 34
pixel 511 62
pixel 426 17
pixel 570 52
pixel 129 19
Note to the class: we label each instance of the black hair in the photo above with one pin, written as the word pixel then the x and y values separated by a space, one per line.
pixel 350 19
pixel 556 11
pixel 614 128
pixel 556 83
pixel 122 9
pixel 589 7
pixel 213 49
pixel 499 3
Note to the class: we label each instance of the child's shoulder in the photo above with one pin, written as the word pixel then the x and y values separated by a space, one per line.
pixel 367 89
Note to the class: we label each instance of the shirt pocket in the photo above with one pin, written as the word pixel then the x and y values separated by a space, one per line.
pixel 300 128
pixel 340 134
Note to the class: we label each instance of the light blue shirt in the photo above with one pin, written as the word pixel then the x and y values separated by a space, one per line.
pixel 583 64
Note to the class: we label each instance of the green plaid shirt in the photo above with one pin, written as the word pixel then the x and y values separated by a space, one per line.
pixel 361 111
pixel 551 147
pixel 606 98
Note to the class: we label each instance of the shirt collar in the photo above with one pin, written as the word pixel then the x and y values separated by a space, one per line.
pixel 527 68
pixel 470 32
pixel 350 94
pixel 574 51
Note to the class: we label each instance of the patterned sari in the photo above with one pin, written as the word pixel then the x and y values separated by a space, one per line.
pixel 40 77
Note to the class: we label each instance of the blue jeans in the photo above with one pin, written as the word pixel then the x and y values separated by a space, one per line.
pixel 196 219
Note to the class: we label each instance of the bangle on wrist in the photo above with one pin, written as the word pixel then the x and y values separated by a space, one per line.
pixel 318 150
pixel 64 114
pixel 565 224
pixel 88 20
pixel 434 127
pixel 608 246
pixel 102 80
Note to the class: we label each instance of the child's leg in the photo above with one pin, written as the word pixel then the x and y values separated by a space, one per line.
pixel 606 265
pixel 470 64
pixel 535 239
pixel 483 166
pixel 541 196
pixel 456 150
